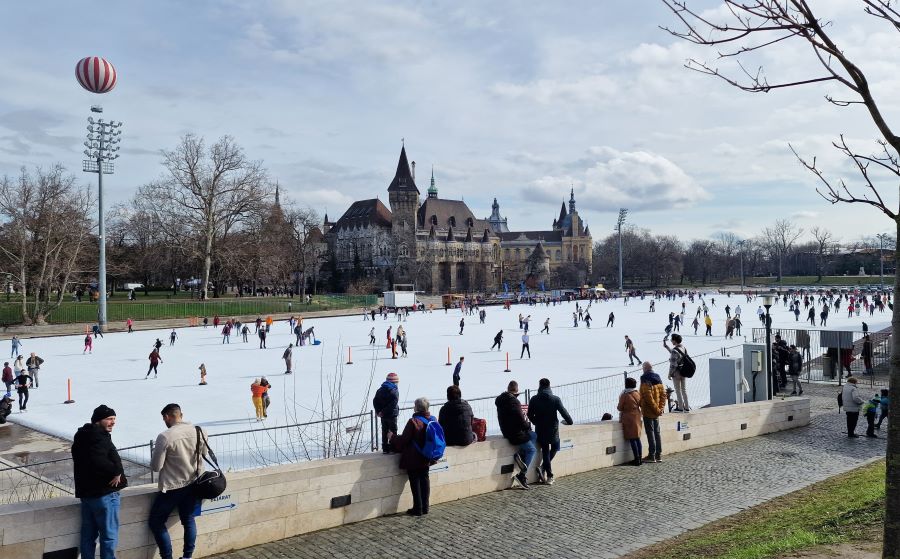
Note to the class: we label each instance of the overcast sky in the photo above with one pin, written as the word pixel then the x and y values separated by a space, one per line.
pixel 508 99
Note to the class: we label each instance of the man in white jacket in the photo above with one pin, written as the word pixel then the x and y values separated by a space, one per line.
pixel 176 460
pixel 852 401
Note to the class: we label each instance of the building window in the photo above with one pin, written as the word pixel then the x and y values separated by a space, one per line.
pixel 558 256
pixel 469 222
pixel 434 220
pixel 452 221
pixel 404 250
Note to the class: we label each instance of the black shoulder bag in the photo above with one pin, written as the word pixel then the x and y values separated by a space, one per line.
pixel 211 483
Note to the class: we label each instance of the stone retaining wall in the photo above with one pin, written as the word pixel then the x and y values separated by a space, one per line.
pixel 278 502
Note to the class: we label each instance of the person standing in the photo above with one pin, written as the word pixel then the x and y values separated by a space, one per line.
pixel 19 368
pixel 546 326
pixel 99 477
pixel 707 320
pixel 23 383
pixel 8 376
pixel 413 461
pixel 371 335
pixel 34 367
pixel 517 430
pixel 386 404
pixel 155 360
pixel 542 412
pixel 653 404
pixel 130 324
pixel 629 349
pixel 611 320
pixel 226 333
pixel 257 391
pixel 498 340
pixel 262 338
pixel 456 418
pixel 287 355
pixel 88 344
pixel 172 336
pixel 852 401
pixel 202 368
pixel 244 331
pixel 457 370
pixel 15 344
pixel 462 325
pixel 525 346
pixel 175 458
pixel 630 417
pixel 676 357
pixel 885 406
pixel 795 369
pixel 866 355
pixel 870 410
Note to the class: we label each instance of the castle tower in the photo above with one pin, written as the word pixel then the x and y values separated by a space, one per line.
pixel 432 190
pixel 403 196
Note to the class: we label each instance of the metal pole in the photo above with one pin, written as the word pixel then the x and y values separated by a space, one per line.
pixel 881 259
pixel 101 279
pixel 621 285
pixel 742 269
pixel 771 389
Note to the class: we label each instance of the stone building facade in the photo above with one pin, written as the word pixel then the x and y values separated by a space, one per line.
pixel 439 245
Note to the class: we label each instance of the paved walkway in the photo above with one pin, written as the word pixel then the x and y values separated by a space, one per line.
pixel 607 512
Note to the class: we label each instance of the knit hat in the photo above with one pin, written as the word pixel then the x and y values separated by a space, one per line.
pixel 102 412
pixel 393 377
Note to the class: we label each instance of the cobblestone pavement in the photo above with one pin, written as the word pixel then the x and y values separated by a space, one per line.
pixel 607 512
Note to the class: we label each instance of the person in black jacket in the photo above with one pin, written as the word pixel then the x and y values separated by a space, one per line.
pixel 455 418
pixel 516 429
pixel 387 407
pixel 542 410
pixel 98 479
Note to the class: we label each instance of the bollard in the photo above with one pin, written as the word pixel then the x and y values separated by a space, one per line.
pixel 349 356
pixel 69 392
pixel 506 370
pixel 448 356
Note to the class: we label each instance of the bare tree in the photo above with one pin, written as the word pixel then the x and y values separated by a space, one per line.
pixel 779 239
pixel 208 190
pixel 748 26
pixel 42 239
pixel 307 245
pixel 823 240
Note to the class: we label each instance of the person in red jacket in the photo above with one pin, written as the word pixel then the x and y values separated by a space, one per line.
pixel 155 360
pixel 8 377
pixel 413 461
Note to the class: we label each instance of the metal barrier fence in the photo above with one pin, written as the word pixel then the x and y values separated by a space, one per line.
pixel 824 364
pixel 585 400
pixel 72 312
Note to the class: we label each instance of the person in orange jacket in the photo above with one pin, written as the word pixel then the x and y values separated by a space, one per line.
pixel 257 392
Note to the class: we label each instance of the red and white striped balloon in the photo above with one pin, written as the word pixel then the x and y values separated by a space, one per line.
pixel 95 74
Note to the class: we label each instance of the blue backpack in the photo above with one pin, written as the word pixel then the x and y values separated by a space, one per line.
pixel 435 444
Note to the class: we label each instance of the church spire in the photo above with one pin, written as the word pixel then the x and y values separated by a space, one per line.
pixel 403 178
pixel 572 200
pixel 277 197
pixel 432 190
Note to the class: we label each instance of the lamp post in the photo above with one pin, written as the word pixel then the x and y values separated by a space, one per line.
pixel 740 245
pixel 101 149
pixel 768 301
pixel 622 214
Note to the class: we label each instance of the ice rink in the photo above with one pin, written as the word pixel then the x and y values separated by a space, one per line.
pixel 115 373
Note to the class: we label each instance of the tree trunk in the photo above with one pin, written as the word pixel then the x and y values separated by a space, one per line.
pixel 207 265
pixel 892 480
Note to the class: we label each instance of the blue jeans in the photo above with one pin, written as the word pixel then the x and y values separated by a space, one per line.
pixel 100 518
pixel 654 442
pixel 548 451
pixel 528 450
pixel 185 501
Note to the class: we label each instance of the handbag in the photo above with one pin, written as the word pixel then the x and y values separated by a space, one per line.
pixel 211 483
pixel 479 427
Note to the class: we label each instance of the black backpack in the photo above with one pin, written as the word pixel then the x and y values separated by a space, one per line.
pixel 687 367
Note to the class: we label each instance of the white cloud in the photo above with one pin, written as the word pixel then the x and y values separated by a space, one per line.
pixel 805 214
pixel 609 179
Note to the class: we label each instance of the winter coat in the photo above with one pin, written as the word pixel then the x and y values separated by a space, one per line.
pixel 410 457
pixel 795 364
pixel 513 425
pixel 653 395
pixel 851 397
pixel 34 363
pixel 154 358
pixel 175 457
pixel 542 410
pixel 96 461
pixel 387 400
pixel 8 374
pixel 258 390
pixel 23 381
pixel 630 413
pixel 455 418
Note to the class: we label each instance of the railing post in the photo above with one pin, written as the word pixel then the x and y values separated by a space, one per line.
pixel 151 461
pixel 372 430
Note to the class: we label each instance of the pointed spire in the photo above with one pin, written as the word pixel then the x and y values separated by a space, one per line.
pixel 562 214
pixel 469 235
pixel 486 237
pixel 587 231
pixel 431 233
pixel 432 190
pixel 572 200
pixel 277 197
pixel 403 179
pixel 450 233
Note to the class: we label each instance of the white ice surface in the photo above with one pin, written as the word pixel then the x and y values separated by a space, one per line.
pixel 114 373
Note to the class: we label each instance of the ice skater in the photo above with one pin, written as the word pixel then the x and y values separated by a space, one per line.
pixel 498 340
pixel 587 319
pixel 287 355
pixel 130 324
pixel 632 353
pixel 389 338
pixel 226 333
pixel 155 360
pixel 262 338
pixel 88 344
pixel 244 331
pixel 611 320
pixel 546 326
pixel 172 337
pixel 16 344
pixel 457 370
pixel 96 330
pixel 403 345
pixel 256 396
pixel 462 325
pixel 371 336
pixel 158 345
pixel 525 346
pixel 202 374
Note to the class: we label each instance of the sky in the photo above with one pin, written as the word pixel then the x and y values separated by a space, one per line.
pixel 518 101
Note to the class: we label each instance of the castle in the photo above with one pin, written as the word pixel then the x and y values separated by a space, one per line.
pixel 440 246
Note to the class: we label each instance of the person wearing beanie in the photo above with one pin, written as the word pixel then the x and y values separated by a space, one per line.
pixel 386 404
pixel 99 477
pixel 852 401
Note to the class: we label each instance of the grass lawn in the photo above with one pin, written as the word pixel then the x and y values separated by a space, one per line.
pixel 846 508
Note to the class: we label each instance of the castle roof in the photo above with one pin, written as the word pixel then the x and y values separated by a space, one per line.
pixel 448 213
pixel 364 213
pixel 403 179
pixel 554 236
